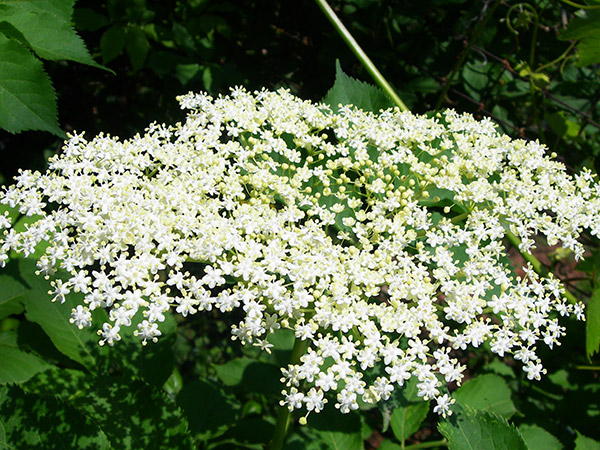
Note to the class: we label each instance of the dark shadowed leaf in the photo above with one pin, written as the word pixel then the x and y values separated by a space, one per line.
pixel 17 365
pixel 32 421
pixel 335 430
pixel 131 413
pixel 208 410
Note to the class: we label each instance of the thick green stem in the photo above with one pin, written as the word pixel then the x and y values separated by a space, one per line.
pixel 360 54
pixel 283 414
pixel 476 32
pixel 536 264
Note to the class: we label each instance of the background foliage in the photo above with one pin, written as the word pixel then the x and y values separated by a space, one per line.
pixel 531 66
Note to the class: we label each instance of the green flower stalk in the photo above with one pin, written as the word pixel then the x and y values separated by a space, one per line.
pixel 376 238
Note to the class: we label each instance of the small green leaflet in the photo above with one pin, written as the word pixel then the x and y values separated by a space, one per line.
pixel 470 429
pixel 406 420
pixel 409 411
pixel 349 91
pixel 27 98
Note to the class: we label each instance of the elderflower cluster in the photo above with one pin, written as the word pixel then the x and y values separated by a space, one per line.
pixel 377 238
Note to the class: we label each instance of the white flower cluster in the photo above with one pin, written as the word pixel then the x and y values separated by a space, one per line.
pixel 377 238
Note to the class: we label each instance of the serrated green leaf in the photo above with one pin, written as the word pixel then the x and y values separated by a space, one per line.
pixel 487 392
pixel 592 324
pixel 470 429
pixel 537 438
pixel 17 366
pixel 407 420
pixel 349 91
pixel 586 29
pixel 10 31
pixel 47 27
pixel 585 443
pixel 27 98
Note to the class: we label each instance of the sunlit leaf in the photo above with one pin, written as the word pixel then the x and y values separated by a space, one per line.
pixel 47 27
pixel 349 91
pixel 585 443
pixel 27 99
pixel 487 392
pixel 537 438
pixel 470 429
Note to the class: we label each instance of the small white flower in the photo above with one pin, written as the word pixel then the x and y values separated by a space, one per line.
pixel 443 405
